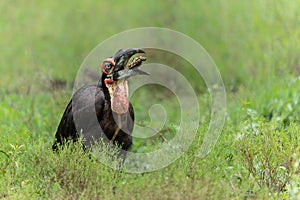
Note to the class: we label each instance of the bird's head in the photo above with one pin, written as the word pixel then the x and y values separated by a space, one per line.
pixel 116 68
pixel 115 72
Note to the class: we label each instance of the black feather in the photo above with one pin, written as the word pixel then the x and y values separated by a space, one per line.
pixel 89 115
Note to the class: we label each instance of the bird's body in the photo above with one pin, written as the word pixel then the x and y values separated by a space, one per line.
pixel 100 111
pixel 86 104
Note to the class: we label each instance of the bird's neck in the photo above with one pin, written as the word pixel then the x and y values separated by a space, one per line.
pixel 116 94
pixel 104 88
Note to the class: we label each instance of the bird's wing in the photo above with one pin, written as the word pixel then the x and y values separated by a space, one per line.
pixel 66 128
pixel 80 116
pixel 87 103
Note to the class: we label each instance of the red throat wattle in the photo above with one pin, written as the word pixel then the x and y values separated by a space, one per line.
pixel 118 91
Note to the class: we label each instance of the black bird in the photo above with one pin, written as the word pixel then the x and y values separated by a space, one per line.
pixel 103 110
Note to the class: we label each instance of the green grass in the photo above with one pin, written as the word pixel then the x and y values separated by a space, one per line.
pixel 256 46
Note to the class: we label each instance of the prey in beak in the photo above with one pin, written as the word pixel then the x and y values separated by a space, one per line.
pixel 116 72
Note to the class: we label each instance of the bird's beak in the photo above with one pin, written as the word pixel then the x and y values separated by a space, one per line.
pixel 128 73
pixel 122 70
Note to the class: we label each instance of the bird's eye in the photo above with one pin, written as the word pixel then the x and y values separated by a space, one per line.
pixel 107 65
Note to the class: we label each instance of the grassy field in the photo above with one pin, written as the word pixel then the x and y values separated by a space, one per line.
pixel 256 46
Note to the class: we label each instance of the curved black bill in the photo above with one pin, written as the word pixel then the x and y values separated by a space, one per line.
pixel 128 73
pixel 122 70
pixel 123 55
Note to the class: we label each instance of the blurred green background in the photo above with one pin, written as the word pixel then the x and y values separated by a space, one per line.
pixel 259 39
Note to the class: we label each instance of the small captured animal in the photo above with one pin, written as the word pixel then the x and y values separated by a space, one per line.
pixel 103 111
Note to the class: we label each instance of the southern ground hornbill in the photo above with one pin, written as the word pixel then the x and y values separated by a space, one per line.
pixel 103 110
